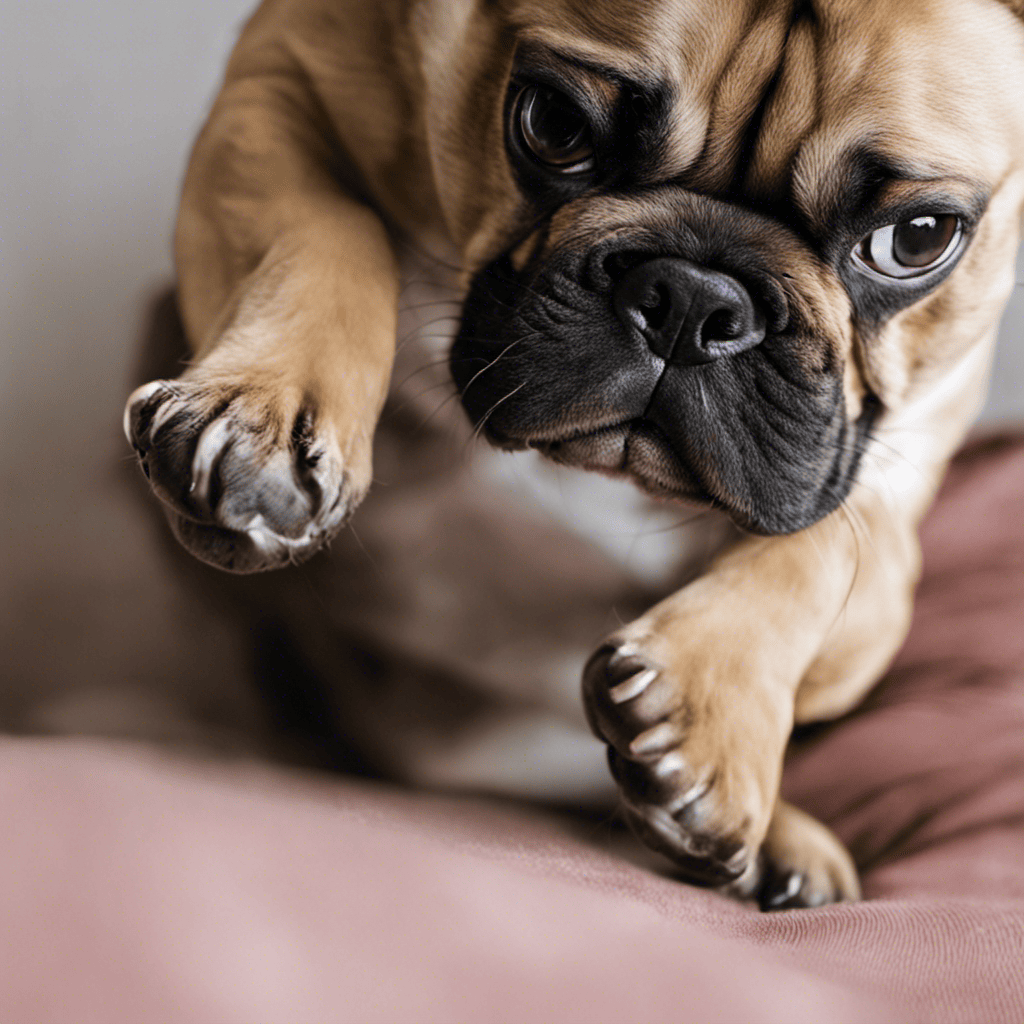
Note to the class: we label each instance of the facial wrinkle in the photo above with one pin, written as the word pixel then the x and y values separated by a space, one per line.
pixel 737 99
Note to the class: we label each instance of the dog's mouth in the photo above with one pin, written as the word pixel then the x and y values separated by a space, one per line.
pixel 629 448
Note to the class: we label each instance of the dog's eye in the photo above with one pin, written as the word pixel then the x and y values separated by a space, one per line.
pixel 554 130
pixel 911 248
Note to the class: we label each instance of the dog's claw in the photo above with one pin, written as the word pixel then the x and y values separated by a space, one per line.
pixel 657 740
pixel 138 398
pixel 633 686
pixel 781 892
pixel 209 450
pixel 689 796
pixel 160 419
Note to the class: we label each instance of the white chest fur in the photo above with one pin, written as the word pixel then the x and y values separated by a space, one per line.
pixel 652 541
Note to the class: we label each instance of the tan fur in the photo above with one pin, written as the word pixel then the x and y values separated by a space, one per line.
pixel 345 129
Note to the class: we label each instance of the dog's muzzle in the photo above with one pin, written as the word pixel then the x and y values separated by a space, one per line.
pixel 699 379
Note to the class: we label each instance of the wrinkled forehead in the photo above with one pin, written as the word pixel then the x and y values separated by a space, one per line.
pixel 773 99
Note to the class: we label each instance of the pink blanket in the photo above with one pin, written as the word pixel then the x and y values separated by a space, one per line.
pixel 143 887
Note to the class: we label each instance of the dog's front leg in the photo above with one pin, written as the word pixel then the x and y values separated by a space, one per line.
pixel 288 291
pixel 696 699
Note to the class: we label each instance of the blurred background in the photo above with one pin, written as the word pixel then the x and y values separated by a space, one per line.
pixel 99 102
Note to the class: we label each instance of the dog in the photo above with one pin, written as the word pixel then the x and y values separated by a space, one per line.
pixel 746 258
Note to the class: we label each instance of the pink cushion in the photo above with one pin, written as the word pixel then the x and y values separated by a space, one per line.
pixel 139 886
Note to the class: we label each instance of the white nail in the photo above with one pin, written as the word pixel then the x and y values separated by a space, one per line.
pixel 670 764
pixel 662 737
pixel 137 397
pixel 210 446
pixel 625 650
pixel 163 414
pixel 633 686
pixel 689 796
pixel 738 860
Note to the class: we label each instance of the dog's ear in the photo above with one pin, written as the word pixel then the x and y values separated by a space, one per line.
pixel 1017 6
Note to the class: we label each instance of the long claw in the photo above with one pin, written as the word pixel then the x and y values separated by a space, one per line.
pixel 633 686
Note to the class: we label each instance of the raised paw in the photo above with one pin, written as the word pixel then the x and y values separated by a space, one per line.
pixel 697 775
pixel 249 483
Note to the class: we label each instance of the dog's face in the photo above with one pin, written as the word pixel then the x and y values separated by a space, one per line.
pixel 712 243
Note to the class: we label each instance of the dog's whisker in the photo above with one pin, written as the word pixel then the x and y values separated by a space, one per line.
pixel 410 401
pixel 394 410
pixel 417 306
pixel 431 365
pixel 420 333
pixel 413 399
pixel 508 348
pixel 365 550
pixel 427 420
pixel 421 250
pixel 844 509
pixel 490 412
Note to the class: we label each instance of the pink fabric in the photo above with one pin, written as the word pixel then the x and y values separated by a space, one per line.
pixel 139 886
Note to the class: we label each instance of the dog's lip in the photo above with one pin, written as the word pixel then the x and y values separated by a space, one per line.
pixel 544 444
pixel 543 440
pixel 550 443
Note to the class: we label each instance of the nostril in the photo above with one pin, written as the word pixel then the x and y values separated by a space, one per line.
pixel 655 306
pixel 721 325
pixel 619 263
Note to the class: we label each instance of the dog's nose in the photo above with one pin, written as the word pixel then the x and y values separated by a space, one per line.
pixel 688 314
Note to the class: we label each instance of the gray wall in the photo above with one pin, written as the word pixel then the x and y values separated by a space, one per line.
pixel 1006 396
pixel 99 100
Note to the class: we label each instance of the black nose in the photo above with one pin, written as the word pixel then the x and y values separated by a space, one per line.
pixel 688 314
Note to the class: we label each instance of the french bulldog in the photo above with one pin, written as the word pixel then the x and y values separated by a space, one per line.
pixel 745 259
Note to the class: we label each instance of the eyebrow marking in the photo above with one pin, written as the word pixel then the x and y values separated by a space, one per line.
pixel 865 174
pixel 649 89
pixel 595 67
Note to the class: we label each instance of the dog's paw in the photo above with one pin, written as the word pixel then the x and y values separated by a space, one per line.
pixel 251 481
pixel 803 864
pixel 697 775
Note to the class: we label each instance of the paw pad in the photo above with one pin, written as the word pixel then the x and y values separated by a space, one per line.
pixel 241 494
